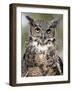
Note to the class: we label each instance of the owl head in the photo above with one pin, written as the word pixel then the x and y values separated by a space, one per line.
pixel 42 31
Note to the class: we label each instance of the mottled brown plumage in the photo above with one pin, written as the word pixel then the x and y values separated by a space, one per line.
pixel 40 58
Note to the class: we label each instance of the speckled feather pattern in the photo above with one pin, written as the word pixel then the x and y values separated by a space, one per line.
pixel 40 57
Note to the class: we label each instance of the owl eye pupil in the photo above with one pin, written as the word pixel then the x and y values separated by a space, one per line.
pixel 37 29
pixel 48 31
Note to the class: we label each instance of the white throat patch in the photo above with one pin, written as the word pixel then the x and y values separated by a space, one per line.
pixel 41 47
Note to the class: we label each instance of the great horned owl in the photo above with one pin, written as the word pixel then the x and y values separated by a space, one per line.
pixel 40 57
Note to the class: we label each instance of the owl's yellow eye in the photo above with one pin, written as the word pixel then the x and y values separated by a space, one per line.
pixel 37 30
pixel 48 31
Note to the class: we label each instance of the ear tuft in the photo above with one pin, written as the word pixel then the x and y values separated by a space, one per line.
pixel 54 23
pixel 30 20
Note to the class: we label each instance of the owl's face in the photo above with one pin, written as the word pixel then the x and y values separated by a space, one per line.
pixel 42 31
